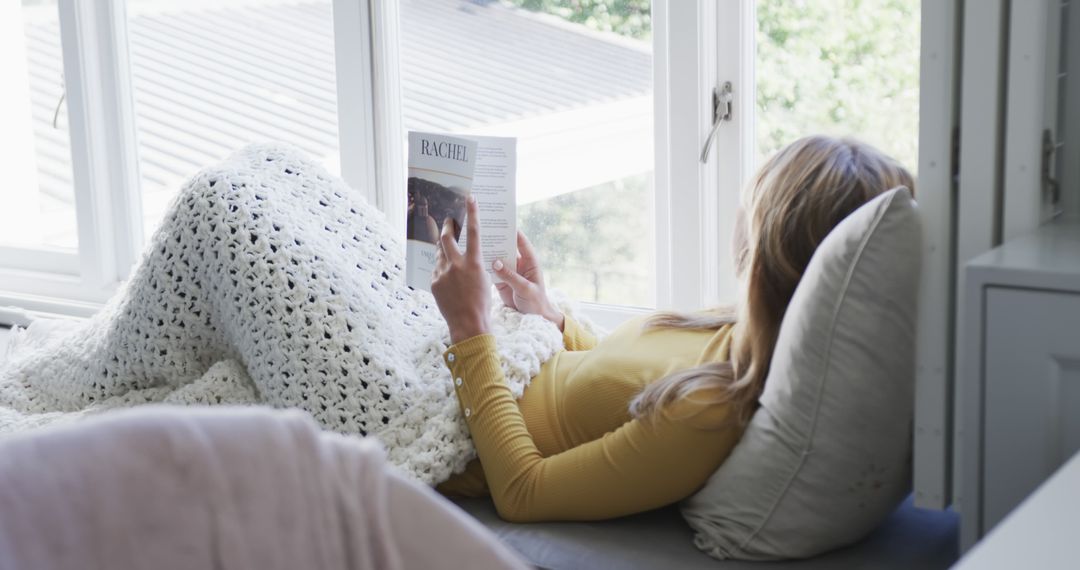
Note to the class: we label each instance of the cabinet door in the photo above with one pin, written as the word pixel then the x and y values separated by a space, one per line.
pixel 1032 393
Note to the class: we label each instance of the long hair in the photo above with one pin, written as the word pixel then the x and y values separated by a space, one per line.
pixel 799 195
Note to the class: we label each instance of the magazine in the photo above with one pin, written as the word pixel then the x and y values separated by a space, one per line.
pixel 443 172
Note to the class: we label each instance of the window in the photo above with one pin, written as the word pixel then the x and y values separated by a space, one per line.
pixel 212 77
pixel 39 203
pixel 846 68
pixel 611 101
pixel 573 82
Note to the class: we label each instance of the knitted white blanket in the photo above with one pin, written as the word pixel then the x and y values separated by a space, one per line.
pixel 272 282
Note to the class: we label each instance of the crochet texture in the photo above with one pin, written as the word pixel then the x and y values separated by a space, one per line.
pixel 271 282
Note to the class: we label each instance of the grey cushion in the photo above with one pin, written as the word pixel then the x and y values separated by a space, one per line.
pixel 909 538
pixel 827 455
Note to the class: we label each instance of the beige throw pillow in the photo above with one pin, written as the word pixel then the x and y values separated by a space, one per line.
pixel 827 455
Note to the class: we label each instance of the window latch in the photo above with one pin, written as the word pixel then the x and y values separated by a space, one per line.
pixel 1050 187
pixel 60 103
pixel 721 111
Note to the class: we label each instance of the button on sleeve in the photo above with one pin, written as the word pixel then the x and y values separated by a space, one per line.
pixel 474 365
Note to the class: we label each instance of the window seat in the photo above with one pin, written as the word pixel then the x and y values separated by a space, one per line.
pixel 909 538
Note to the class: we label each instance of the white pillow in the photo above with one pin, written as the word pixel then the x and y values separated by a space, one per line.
pixel 827 455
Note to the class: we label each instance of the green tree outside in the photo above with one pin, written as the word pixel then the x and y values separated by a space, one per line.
pixel 596 243
pixel 842 67
pixel 632 18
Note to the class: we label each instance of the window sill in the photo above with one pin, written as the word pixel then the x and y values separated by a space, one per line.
pixel 609 317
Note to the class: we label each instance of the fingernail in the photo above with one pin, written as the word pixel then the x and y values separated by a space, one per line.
pixel 472 199
pixel 498 265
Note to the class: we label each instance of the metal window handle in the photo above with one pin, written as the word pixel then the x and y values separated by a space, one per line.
pixel 722 100
pixel 60 103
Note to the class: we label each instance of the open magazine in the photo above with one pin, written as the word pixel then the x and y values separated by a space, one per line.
pixel 443 172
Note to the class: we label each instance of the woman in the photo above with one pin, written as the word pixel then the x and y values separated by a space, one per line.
pixel 644 417
pixel 268 283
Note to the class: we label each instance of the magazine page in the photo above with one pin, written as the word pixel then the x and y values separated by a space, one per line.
pixel 494 185
pixel 441 170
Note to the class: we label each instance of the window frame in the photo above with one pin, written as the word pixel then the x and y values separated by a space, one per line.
pixel 100 108
pixel 695 204
pixel 23 257
pixel 366 67
pixel 939 90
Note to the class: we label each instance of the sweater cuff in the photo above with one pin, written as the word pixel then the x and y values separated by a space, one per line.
pixel 469 348
pixel 575 337
pixel 474 366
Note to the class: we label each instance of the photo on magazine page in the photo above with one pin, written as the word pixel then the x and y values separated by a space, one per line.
pixel 440 181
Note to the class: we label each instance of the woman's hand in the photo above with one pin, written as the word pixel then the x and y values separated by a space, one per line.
pixel 459 282
pixel 524 289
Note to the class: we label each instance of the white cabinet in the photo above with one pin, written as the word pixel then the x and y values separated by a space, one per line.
pixel 1018 396
pixel 1032 400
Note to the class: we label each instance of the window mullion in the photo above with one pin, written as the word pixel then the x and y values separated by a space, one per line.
pixel 734 155
pixel 356 122
pixel 388 112
pixel 686 197
pixel 662 154
pixel 118 124
pixel 369 103
pixel 103 146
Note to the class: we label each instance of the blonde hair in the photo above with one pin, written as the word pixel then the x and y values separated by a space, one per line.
pixel 799 195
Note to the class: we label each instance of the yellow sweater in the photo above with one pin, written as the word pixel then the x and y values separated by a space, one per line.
pixel 569 449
